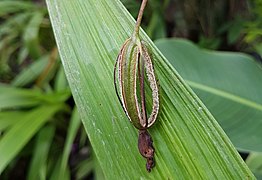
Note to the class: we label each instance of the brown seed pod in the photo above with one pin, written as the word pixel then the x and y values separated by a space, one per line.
pixel 133 69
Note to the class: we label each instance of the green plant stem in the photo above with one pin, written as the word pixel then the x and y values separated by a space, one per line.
pixel 139 18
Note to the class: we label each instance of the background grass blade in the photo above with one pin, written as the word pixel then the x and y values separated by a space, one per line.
pixel 72 131
pixel 9 118
pixel 31 34
pixel 189 142
pixel 13 97
pixel 38 166
pixel 22 131
pixel 31 73
pixel 14 6
pixel 228 83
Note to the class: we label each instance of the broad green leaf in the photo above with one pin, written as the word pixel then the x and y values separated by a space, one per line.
pixel 228 83
pixel 98 171
pixel 188 141
pixel 16 137
pixel 38 166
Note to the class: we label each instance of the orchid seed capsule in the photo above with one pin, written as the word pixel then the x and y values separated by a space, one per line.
pixel 134 71
pixel 131 64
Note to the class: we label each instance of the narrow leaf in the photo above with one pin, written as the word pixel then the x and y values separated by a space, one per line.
pixel 71 133
pixel 11 97
pixel 14 6
pixel 30 73
pixel 38 166
pixel 8 118
pixel 14 139
pixel 31 34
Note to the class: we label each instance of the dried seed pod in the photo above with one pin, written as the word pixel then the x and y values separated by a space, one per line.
pixel 132 64
pixel 133 70
pixel 133 67
pixel 152 83
pixel 146 149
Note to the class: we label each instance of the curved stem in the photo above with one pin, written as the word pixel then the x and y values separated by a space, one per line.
pixel 139 17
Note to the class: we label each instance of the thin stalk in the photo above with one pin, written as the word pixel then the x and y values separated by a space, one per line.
pixel 139 18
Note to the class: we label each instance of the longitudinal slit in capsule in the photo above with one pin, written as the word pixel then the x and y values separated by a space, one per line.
pixel 141 75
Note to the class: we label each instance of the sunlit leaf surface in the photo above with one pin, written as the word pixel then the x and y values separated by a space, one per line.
pixel 189 143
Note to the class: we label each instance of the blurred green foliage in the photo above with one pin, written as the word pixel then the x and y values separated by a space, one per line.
pixel 224 25
pixel 40 132
pixel 253 28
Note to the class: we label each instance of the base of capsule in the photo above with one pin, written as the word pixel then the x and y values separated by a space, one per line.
pixel 146 149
